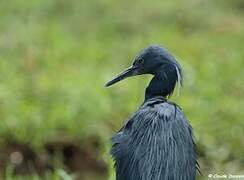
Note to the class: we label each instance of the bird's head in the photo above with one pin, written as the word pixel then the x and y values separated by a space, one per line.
pixel 152 60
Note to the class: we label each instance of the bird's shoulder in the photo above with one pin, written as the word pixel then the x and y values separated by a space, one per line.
pixel 155 109
pixel 159 106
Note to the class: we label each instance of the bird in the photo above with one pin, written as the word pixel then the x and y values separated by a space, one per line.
pixel 157 141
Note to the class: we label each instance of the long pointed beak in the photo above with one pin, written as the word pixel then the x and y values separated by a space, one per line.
pixel 131 71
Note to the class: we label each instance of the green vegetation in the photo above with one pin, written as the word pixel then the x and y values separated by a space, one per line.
pixel 55 57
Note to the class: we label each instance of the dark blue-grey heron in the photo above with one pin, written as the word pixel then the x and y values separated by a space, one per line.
pixel 157 142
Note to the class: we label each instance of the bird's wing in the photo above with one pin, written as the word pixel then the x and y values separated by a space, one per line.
pixel 156 143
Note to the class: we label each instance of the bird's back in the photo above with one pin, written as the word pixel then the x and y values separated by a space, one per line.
pixel 155 144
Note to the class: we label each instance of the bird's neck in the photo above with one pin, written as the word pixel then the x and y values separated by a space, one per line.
pixel 163 83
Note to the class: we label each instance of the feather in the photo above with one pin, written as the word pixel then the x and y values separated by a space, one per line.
pixel 155 144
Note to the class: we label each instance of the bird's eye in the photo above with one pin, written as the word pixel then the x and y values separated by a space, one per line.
pixel 140 61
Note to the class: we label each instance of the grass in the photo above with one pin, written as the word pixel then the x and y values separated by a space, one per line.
pixel 55 57
pixel 56 175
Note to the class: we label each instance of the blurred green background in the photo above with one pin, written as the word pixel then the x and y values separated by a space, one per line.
pixel 56 117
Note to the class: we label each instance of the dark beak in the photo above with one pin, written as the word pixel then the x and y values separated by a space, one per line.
pixel 131 71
